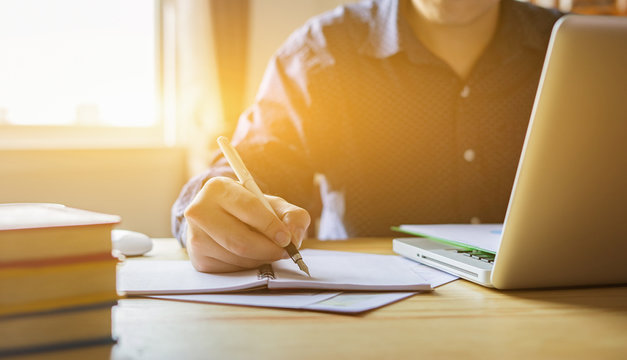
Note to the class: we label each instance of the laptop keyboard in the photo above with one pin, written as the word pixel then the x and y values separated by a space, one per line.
pixel 479 255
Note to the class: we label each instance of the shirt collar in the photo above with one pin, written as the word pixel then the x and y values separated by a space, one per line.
pixel 383 38
pixel 515 29
pixel 390 34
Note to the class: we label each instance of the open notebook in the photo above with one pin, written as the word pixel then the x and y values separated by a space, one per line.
pixel 330 270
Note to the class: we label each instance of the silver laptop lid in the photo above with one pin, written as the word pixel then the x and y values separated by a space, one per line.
pixel 566 223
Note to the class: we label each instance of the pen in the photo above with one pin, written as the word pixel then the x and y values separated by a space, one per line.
pixel 246 179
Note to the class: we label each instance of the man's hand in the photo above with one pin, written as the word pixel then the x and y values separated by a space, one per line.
pixel 229 229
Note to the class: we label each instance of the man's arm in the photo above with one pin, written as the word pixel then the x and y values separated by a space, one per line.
pixel 271 137
pixel 189 191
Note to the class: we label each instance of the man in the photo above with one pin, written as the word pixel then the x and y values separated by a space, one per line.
pixel 404 111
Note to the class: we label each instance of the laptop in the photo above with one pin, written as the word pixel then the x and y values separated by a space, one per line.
pixel 566 222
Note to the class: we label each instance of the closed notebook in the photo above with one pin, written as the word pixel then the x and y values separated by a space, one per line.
pixel 31 231
pixel 330 270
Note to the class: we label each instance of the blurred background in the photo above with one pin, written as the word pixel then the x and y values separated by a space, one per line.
pixel 111 105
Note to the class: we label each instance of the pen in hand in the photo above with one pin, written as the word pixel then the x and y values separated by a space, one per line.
pixel 246 179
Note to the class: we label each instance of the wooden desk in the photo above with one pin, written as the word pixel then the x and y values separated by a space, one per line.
pixel 457 320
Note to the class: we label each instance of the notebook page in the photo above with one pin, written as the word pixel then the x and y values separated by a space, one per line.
pixel 433 276
pixel 339 271
pixel 148 277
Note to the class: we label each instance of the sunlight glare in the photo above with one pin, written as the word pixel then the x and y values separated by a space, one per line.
pixel 77 62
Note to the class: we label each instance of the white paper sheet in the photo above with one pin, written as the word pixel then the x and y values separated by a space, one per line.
pixel 348 303
pixel 481 236
pixel 288 300
pixel 433 276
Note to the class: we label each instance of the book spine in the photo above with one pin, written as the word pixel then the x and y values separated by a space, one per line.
pixel 57 261
pixel 71 309
pixel 50 349
pixel 55 304
pixel 28 285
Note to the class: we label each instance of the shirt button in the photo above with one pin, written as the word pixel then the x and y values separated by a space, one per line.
pixel 469 155
pixel 465 92
pixel 475 220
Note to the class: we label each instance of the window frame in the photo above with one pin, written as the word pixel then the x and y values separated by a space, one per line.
pixel 14 136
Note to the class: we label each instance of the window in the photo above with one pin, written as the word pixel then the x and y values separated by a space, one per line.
pixel 76 66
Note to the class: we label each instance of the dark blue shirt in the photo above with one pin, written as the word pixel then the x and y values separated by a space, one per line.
pixel 355 108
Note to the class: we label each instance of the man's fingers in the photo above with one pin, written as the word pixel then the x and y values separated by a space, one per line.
pixel 246 207
pixel 212 265
pixel 296 218
pixel 196 240
pixel 239 239
pixel 200 244
pixel 230 229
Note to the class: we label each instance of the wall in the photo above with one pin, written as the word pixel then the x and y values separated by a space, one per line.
pixel 199 113
pixel 272 21
pixel 141 184
pixel 138 184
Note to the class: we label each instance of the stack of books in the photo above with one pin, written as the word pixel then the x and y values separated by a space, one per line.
pixel 57 278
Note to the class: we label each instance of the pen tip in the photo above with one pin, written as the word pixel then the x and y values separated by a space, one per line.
pixel 303 267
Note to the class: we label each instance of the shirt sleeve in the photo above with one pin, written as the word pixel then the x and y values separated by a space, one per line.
pixel 272 137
